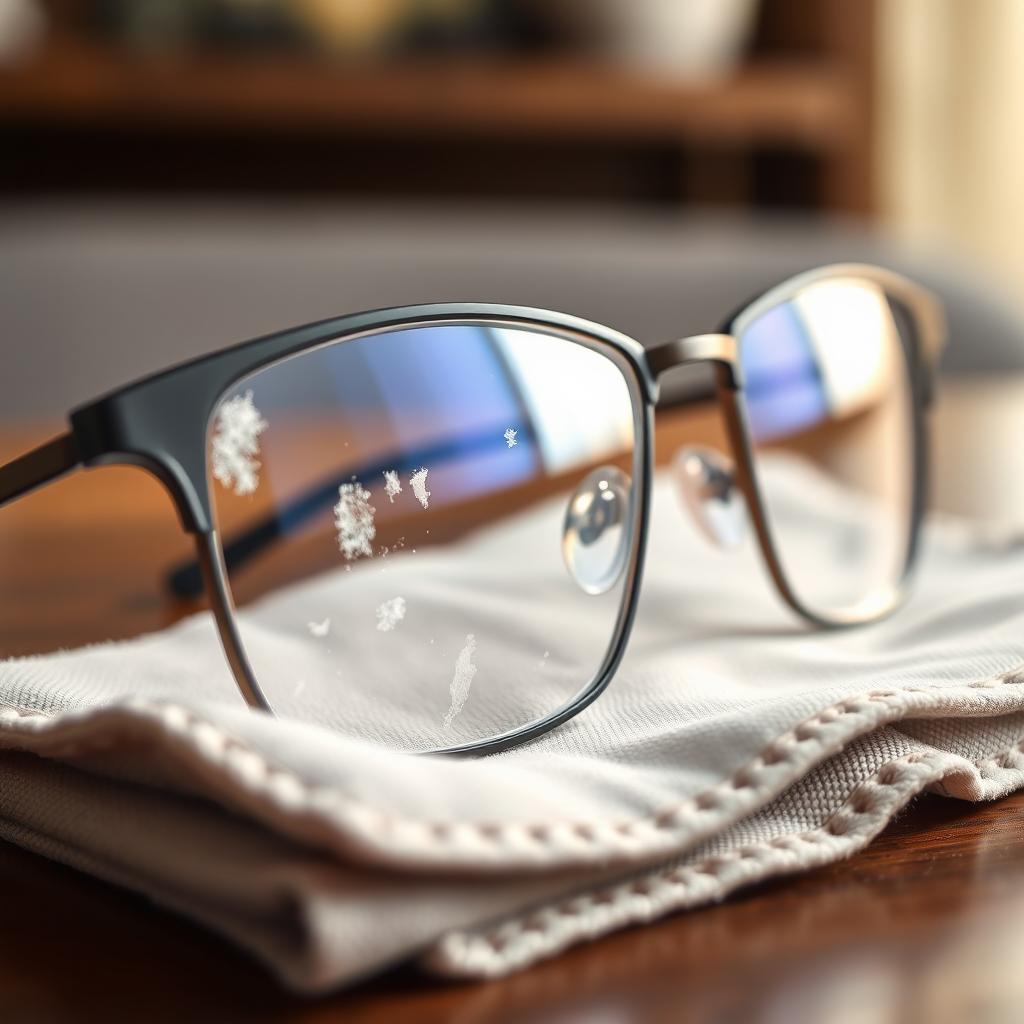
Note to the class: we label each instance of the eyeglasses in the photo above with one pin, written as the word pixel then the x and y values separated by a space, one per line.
pixel 429 523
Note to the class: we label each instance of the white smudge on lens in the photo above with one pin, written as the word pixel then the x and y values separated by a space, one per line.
pixel 510 437
pixel 418 483
pixel 300 686
pixel 235 444
pixel 390 614
pixel 319 629
pixel 353 520
pixel 462 679
pixel 392 485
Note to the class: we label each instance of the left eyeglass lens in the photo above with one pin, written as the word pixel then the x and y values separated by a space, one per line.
pixel 428 531
pixel 831 409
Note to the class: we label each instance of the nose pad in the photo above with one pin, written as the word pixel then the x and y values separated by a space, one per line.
pixel 707 482
pixel 596 530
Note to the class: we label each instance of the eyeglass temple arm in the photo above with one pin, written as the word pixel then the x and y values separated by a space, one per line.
pixel 38 467
pixel 186 579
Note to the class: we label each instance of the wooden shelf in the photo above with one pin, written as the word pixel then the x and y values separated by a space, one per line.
pixel 797 104
pixel 791 130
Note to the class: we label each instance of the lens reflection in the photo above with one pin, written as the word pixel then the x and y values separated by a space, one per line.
pixel 392 511
pixel 830 410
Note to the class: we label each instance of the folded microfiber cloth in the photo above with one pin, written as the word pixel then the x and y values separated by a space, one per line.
pixel 733 745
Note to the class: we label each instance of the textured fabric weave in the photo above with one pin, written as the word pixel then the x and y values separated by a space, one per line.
pixel 733 745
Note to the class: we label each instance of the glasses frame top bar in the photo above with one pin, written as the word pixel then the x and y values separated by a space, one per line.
pixel 160 422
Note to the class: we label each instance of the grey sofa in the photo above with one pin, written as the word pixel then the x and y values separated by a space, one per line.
pixel 92 296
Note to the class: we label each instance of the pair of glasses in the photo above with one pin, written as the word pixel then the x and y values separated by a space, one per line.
pixel 427 525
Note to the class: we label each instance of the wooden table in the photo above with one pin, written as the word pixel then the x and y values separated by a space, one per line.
pixel 923 926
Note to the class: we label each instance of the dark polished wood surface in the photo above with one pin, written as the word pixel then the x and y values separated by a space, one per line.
pixel 922 926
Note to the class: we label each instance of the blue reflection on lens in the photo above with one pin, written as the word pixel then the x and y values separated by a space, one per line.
pixel 448 388
pixel 439 396
pixel 782 383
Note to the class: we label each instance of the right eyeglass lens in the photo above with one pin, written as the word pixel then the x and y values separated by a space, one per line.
pixel 827 389
pixel 435 526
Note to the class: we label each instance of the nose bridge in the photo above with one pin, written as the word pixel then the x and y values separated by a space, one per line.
pixel 721 350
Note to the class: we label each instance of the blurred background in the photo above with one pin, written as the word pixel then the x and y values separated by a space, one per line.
pixel 177 175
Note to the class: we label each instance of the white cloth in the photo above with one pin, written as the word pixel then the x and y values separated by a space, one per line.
pixel 733 745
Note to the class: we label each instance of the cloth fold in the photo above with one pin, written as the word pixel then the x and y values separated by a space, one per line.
pixel 732 746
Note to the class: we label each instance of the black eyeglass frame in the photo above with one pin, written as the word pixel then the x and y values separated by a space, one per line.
pixel 160 423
